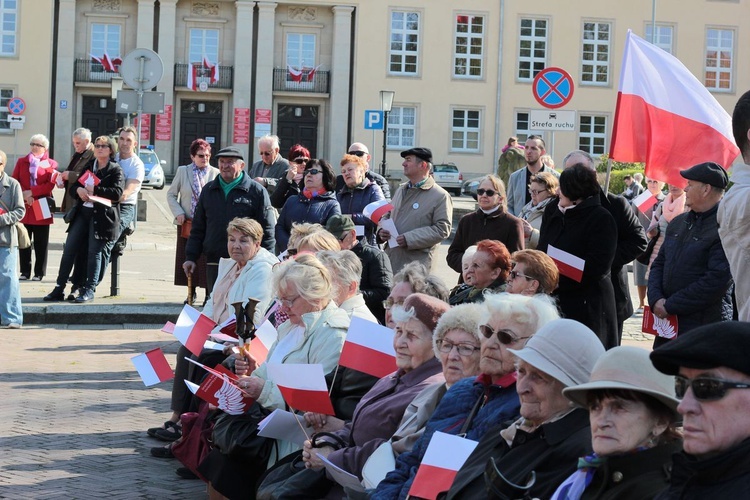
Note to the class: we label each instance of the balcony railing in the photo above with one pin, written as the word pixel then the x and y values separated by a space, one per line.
pixel 87 70
pixel 226 77
pixel 283 81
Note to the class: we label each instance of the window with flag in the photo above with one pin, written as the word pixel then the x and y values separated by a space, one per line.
pixel 105 40
pixel 404 43
pixel 204 43
pixel 5 96
pixel 596 53
pixel 592 134
pixel 663 35
pixel 300 50
pixel 402 127
pixel 532 48
pixel 465 128
pixel 8 27
pixel 522 127
pixel 719 59
pixel 469 46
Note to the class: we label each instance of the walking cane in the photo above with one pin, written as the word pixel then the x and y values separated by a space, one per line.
pixel 190 290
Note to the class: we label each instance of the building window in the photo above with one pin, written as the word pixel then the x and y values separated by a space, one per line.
pixel 402 127
pixel 300 50
pixel 719 59
pixel 592 134
pixel 532 48
pixel 662 37
pixel 522 127
pixel 404 51
pixel 204 43
pixel 105 39
pixel 596 48
pixel 8 27
pixel 465 130
pixel 5 96
pixel 469 47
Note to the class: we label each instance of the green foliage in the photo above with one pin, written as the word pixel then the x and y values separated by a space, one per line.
pixel 616 182
pixel 618 165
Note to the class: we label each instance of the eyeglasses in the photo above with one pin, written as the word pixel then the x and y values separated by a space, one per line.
pixel 504 336
pixel 203 155
pixel 516 274
pixel 36 144
pixel 300 160
pixel 705 388
pixel 536 191
pixel 463 349
pixel 288 303
pixel 313 171
pixel 266 153
pixel 357 153
pixel 101 146
pixel 389 303
pixel 488 192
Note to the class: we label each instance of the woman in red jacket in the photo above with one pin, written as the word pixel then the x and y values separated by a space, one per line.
pixel 34 173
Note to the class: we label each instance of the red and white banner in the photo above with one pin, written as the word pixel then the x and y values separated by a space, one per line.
pixel 111 65
pixel 666 117
pixel 377 209
pixel 444 456
pixel 192 329
pixel 294 74
pixel 311 74
pixel 153 367
pixel 645 201
pixel 666 327
pixel 89 178
pixel 41 210
pixel 568 264
pixel 369 348
pixel 303 386
pixel 213 70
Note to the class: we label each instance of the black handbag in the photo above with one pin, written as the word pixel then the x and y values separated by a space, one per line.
pixel 237 436
pixel 70 215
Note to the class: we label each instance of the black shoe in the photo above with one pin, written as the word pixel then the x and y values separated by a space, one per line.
pixel 186 473
pixel 162 451
pixel 85 295
pixel 56 295
pixel 72 295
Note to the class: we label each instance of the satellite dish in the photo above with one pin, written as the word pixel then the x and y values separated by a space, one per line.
pixel 142 69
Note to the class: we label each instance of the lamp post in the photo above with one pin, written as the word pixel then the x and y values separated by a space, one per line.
pixel 386 102
pixel 116 87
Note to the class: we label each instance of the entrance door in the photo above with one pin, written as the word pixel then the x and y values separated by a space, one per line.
pixel 101 121
pixel 199 120
pixel 298 125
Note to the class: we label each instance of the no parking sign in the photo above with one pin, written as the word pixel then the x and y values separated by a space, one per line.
pixel 553 88
pixel 16 106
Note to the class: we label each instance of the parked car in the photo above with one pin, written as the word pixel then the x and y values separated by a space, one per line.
pixel 154 173
pixel 448 177
pixel 470 187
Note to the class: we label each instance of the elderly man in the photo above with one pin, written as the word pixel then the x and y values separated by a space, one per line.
pixel 690 277
pixel 422 213
pixel 272 166
pixel 518 185
pixel 712 369
pixel 359 149
pixel 232 194
pixel 83 153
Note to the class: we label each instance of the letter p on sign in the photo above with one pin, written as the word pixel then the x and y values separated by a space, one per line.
pixel 373 119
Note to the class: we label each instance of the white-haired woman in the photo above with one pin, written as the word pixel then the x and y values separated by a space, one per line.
pixel 12 210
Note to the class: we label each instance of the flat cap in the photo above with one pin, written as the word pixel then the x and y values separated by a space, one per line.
pixel 726 343
pixel 230 152
pixel 422 153
pixel 338 225
pixel 707 173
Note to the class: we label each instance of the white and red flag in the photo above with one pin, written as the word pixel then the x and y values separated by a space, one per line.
pixel 568 264
pixel 666 117
pixel 153 367
pixel 369 348
pixel 294 74
pixel 444 456
pixel 41 210
pixel 265 336
pixel 213 70
pixel 168 327
pixel 192 329
pixel 192 76
pixel 644 201
pixel 302 386
pixel 377 209
pixel 89 177
pixel 311 74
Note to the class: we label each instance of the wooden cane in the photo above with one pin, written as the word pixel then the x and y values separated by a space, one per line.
pixel 190 290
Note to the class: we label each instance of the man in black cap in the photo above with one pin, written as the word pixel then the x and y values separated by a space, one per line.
pixel 232 194
pixel 690 277
pixel 272 166
pixel 712 369
pixel 422 212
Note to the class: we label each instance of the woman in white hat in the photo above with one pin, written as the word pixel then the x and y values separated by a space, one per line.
pixel 633 411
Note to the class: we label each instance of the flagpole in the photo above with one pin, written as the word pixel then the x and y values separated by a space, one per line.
pixel 653 21
pixel 609 171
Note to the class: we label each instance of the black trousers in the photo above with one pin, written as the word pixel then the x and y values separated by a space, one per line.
pixel 39 236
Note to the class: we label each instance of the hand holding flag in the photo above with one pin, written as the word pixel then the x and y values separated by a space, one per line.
pixel 444 456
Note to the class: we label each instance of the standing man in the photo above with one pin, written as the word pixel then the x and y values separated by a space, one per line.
pixel 518 185
pixel 734 211
pixel 690 277
pixel 422 212
pixel 359 149
pixel 232 194
pixel 84 152
pixel 272 166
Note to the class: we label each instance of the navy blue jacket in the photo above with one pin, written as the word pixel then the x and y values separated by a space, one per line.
pixel 316 210
pixel 354 201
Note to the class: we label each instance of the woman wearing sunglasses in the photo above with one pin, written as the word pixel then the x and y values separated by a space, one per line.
pixel 490 222
pixel 533 272
pixel 487 273
pixel 291 183
pixel 358 191
pixel 543 189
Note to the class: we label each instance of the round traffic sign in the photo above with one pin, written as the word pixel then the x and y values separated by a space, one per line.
pixel 16 106
pixel 553 88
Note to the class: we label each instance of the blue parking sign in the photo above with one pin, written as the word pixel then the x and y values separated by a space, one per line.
pixel 373 119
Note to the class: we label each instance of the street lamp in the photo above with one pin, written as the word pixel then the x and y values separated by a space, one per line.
pixel 386 102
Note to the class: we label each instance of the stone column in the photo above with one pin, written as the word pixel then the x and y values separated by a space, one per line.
pixel 338 115
pixel 145 34
pixel 167 28
pixel 66 120
pixel 264 64
pixel 243 67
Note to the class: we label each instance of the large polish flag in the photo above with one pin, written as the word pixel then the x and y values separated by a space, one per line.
pixel 443 458
pixel 568 264
pixel 41 210
pixel 153 367
pixel 369 348
pixel 192 329
pixel 665 117
pixel 303 386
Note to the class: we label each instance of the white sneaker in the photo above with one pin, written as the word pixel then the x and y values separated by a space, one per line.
pixel 12 326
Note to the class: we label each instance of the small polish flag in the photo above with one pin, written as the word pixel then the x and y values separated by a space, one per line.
pixel 377 209
pixel 644 201
pixel 55 177
pixel 666 327
pixel 265 336
pixel 89 178
pixel 192 329
pixel 369 348
pixel 303 386
pixel 568 264
pixel 168 327
pixel 40 207
pixel 444 456
pixel 296 75
pixel 153 367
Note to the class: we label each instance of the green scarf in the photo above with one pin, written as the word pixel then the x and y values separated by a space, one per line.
pixel 227 187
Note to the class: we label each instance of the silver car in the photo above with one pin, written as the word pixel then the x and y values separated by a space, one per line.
pixel 448 177
pixel 154 174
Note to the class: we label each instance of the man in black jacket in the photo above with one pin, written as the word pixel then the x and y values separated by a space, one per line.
pixel 232 194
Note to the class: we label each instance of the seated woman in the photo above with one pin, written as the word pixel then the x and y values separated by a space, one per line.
pixel 506 321
pixel 357 193
pixel 543 189
pixel 488 272
pixel 533 272
pixel 413 278
pixel 550 435
pixel 633 414
pixel 465 280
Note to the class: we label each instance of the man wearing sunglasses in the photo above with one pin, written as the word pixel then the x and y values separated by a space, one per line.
pixel 711 365
pixel 359 149
pixel 272 166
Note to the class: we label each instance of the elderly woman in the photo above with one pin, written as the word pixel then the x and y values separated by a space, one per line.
pixel 488 272
pixel 551 434
pixel 12 210
pixel 533 272
pixel 582 227
pixel 543 189
pixel 94 223
pixel 465 279
pixel 357 193
pixel 182 198
pixel 413 278
pixel 506 321
pixel 632 410
pixel 490 222
pixel 316 203
pixel 314 333
pixel 289 185
pixel 34 173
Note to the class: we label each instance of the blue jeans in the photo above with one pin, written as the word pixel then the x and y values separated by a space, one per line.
pixel 81 239
pixel 10 292
pixel 127 214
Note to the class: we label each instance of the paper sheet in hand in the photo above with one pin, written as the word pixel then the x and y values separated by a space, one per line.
pixel 223 337
pixel 390 226
pixel 282 424
pixel 341 476
pixel 104 201
pixel 208 344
